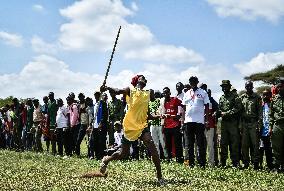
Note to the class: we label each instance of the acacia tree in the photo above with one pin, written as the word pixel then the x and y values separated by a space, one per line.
pixel 270 77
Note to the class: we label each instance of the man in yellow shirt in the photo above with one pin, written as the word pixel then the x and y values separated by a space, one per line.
pixel 135 123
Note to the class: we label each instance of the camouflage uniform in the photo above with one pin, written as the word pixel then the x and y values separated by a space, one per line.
pixel 251 120
pixel 231 106
pixel 277 123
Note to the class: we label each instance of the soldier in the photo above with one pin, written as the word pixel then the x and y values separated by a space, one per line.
pixel 277 124
pixel 251 118
pixel 229 110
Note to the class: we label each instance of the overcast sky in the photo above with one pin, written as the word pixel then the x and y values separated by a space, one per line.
pixel 64 46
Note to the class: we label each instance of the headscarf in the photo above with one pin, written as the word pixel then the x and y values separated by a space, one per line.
pixel 134 80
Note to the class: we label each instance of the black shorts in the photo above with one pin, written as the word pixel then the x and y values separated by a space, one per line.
pixel 127 142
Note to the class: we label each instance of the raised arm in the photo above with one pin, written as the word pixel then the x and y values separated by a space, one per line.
pixel 116 91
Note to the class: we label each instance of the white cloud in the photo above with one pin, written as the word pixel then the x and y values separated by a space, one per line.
pixel 38 8
pixel 45 73
pixel 261 63
pixel 166 54
pixel 93 26
pixel 271 10
pixel 40 46
pixel 11 39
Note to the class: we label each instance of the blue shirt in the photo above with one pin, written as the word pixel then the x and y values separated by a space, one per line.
pixel 265 128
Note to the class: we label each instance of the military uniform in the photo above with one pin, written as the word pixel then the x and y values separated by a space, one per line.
pixel 251 121
pixel 230 105
pixel 277 123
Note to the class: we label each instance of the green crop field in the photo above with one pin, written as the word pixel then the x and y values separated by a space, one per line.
pixel 32 171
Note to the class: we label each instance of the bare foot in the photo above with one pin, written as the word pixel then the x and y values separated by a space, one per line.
pixel 104 165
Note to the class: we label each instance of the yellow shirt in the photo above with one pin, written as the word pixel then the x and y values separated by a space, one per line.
pixel 135 119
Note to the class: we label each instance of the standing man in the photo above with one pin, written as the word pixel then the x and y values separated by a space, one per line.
pixel 84 121
pixel 172 125
pixel 37 117
pixel 94 130
pixel 230 107
pixel 61 125
pixel 155 124
pixel 45 125
pixel 180 95
pixel 18 128
pixel 265 131
pixel 251 123
pixel 74 121
pixel 277 123
pixel 196 101
pixel 115 114
pixel 211 132
pixel 29 125
pixel 52 111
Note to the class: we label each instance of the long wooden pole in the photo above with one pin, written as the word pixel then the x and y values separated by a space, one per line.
pixel 110 61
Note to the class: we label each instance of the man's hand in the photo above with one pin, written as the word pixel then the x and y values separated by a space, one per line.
pixel 207 125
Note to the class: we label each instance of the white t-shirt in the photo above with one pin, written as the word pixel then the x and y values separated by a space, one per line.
pixel 180 109
pixel 118 138
pixel 96 105
pixel 194 102
pixel 61 117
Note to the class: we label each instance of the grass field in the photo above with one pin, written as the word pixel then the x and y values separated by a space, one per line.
pixel 32 171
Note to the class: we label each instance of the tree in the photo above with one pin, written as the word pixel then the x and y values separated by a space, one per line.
pixel 5 101
pixel 270 77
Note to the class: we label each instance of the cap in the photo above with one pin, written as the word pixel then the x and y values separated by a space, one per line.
pixel 226 82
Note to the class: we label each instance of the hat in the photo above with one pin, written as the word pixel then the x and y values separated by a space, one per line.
pixel 225 82
pixel 117 123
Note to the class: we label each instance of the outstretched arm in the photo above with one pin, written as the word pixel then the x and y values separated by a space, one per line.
pixel 125 91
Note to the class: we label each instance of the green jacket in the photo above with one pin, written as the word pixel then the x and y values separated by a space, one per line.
pixel 252 108
pixel 52 112
pixel 276 113
pixel 115 110
pixel 231 105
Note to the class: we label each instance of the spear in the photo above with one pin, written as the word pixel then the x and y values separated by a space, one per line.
pixel 110 61
pixel 106 75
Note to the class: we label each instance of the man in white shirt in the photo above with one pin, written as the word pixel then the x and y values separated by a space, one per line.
pixel 195 100
pixel 61 124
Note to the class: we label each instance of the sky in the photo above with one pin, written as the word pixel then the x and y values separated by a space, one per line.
pixel 65 46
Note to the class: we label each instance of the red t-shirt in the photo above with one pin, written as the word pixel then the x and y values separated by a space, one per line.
pixel 171 108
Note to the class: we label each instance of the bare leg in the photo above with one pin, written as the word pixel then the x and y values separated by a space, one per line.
pixel 148 141
pixel 123 152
